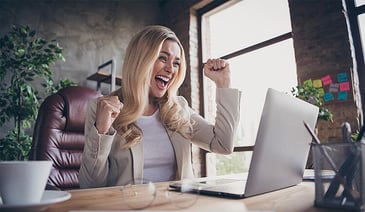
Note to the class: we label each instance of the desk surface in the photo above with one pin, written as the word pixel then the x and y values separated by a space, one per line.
pixel 297 198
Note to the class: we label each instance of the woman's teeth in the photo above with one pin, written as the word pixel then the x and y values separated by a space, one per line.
pixel 162 79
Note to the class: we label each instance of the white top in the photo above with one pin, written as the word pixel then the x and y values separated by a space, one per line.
pixel 158 152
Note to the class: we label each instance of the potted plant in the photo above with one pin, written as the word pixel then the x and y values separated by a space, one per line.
pixel 313 95
pixel 25 62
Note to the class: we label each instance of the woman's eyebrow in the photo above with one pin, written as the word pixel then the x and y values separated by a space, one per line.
pixel 169 54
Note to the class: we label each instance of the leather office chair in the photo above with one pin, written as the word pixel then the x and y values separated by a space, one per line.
pixel 59 134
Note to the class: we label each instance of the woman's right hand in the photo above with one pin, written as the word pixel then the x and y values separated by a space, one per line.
pixel 107 110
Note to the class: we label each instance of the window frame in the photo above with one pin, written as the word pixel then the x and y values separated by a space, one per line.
pixel 353 13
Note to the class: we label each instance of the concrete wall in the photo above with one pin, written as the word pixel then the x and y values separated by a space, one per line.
pixel 91 32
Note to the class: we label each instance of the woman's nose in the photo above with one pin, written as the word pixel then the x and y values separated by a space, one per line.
pixel 169 67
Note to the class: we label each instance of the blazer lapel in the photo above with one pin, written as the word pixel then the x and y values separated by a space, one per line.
pixel 182 149
pixel 137 158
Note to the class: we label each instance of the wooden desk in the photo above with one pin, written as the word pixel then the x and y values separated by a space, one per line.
pixel 294 199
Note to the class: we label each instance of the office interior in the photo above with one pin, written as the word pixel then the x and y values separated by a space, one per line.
pixel 325 35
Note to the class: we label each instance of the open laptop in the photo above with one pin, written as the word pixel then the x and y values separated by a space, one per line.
pixel 280 153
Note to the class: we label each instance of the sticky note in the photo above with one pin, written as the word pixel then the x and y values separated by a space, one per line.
pixel 328 96
pixel 342 77
pixel 317 83
pixel 342 95
pixel 326 80
pixel 344 86
pixel 334 87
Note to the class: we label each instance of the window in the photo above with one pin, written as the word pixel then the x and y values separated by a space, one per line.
pixel 255 37
pixel 356 19
pixel 360 13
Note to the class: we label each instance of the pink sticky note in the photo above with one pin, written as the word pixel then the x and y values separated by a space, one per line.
pixel 344 86
pixel 326 80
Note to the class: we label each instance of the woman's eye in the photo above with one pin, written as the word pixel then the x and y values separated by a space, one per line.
pixel 176 64
pixel 163 59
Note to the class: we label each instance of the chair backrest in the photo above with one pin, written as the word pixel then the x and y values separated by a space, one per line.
pixel 59 134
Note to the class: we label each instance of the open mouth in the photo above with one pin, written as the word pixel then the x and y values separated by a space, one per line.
pixel 162 81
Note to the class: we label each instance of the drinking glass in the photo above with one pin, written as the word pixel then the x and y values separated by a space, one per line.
pixel 141 194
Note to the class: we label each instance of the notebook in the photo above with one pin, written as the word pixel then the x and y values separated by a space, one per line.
pixel 280 153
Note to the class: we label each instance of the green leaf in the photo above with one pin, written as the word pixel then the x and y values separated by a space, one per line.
pixel 20 52
pixel 32 33
pixel 311 94
pixel 26 60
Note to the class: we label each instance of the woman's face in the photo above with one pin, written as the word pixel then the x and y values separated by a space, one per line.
pixel 165 69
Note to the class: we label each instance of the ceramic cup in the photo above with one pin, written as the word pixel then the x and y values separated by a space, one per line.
pixel 23 182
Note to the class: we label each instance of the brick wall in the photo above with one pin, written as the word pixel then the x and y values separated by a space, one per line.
pixel 322 47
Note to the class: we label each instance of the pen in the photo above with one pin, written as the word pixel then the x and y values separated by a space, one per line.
pixel 316 139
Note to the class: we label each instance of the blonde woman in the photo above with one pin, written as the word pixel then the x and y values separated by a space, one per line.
pixel 144 130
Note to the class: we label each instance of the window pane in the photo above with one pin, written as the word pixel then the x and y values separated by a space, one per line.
pixel 237 162
pixel 253 73
pixel 359 2
pixel 253 21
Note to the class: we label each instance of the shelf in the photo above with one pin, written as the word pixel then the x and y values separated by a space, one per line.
pixel 101 77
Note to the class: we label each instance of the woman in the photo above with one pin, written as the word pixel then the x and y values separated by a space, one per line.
pixel 144 130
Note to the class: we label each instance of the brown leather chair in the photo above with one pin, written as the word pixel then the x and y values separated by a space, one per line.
pixel 59 134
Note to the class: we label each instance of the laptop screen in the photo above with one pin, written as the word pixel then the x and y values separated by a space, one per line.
pixel 282 144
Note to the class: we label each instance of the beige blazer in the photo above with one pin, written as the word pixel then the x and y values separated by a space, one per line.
pixel 104 163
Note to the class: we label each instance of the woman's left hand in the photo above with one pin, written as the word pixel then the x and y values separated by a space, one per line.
pixel 218 71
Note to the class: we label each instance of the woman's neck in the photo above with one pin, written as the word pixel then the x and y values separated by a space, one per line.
pixel 150 109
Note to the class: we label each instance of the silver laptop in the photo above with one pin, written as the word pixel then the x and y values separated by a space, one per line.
pixel 280 153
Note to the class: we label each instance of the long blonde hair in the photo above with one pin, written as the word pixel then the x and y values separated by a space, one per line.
pixel 141 54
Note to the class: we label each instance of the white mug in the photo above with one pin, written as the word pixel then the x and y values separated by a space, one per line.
pixel 23 182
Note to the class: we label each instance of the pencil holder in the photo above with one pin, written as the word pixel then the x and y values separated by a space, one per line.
pixel 339 175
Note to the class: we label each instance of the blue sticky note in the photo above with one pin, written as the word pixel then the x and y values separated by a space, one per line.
pixel 342 95
pixel 342 77
pixel 328 97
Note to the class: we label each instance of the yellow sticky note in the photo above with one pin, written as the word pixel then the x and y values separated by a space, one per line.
pixel 317 83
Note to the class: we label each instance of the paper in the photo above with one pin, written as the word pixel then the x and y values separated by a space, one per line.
pixel 342 95
pixel 344 86
pixel 334 87
pixel 326 80
pixel 317 83
pixel 342 77
pixel 328 97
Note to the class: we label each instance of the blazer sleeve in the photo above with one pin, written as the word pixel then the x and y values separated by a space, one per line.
pixel 94 164
pixel 219 137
